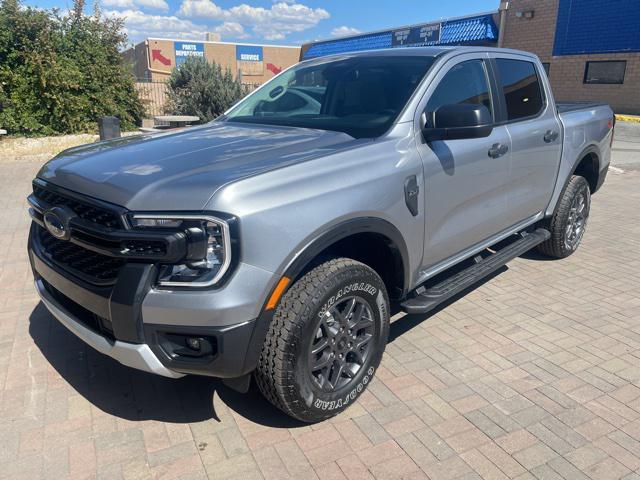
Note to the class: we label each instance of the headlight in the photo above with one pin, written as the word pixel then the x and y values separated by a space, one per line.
pixel 209 247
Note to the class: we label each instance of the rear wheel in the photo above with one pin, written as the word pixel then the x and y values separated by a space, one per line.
pixel 569 221
pixel 325 341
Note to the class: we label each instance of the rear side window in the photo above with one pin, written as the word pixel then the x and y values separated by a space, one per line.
pixel 521 87
pixel 465 83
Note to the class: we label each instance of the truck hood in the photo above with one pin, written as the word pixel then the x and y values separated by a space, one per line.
pixel 182 170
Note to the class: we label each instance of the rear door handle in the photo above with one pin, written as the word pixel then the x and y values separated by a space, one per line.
pixel 497 150
pixel 550 136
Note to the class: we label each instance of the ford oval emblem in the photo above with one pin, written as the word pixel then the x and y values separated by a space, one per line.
pixel 56 223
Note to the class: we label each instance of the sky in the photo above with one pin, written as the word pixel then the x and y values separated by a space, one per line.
pixel 280 22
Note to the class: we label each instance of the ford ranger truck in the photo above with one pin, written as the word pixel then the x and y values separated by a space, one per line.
pixel 275 242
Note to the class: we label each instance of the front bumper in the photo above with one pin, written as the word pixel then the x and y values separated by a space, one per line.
pixel 138 356
pixel 110 319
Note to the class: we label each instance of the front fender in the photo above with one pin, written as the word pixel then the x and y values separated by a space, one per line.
pixel 301 257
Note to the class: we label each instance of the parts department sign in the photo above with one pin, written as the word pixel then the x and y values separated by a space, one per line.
pixel 185 50
pixel 250 59
pixel 416 35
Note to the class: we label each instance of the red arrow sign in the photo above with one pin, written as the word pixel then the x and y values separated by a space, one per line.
pixel 273 68
pixel 157 55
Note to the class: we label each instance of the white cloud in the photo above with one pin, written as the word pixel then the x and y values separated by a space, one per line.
pixel 344 31
pixel 231 29
pixel 272 23
pixel 200 8
pixel 139 25
pixel 132 4
pixel 156 4
pixel 118 3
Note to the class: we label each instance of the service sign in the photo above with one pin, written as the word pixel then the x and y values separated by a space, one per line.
pixel 250 59
pixel 185 50
pixel 248 53
pixel 416 35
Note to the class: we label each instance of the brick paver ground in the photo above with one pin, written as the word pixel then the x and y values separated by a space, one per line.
pixel 534 374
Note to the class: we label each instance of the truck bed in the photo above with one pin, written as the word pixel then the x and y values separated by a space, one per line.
pixel 565 107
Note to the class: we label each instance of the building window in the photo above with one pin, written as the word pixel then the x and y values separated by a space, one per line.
pixel 605 72
pixel 547 67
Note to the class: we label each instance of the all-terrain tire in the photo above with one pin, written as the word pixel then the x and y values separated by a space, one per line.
pixel 283 374
pixel 561 244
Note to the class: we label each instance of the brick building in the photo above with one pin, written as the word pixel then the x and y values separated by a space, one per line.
pixel 155 58
pixel 590 48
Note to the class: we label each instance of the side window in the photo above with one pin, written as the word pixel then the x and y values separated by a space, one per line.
pixel 466 82
pixel 521 87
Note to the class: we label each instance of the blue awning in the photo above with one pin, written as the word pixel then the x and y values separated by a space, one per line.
pixel 469 30
pixel 352 44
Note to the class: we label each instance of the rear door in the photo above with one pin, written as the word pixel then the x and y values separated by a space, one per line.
pixel 528 111
pixel 465 198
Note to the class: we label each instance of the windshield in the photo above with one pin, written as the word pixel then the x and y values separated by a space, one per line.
pixel 360 96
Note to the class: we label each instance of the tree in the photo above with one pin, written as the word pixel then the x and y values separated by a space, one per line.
pixel 200 88
pixel 78 10
pixel 58 74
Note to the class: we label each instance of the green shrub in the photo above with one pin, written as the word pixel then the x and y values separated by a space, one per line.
pixel 58 74
pixel 200 88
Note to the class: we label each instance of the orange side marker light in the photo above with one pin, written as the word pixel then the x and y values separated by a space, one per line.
pixel 277 293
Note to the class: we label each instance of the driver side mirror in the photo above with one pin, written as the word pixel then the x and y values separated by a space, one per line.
pixel 456 122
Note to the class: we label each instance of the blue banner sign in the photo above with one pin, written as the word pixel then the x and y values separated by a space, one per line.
pixel 416 35
pixel 248 53
pixel 185 50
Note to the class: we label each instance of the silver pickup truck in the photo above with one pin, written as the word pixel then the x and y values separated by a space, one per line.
pixel 275 242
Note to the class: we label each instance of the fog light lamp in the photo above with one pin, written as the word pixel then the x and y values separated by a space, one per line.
pixel 193 343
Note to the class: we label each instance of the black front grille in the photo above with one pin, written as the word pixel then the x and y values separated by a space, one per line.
pixel 84 210
pixel 89 266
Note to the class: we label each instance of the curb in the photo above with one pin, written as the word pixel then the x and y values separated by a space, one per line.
pixel 627 118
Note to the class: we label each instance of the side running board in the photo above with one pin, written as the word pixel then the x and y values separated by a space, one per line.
pixel 426 299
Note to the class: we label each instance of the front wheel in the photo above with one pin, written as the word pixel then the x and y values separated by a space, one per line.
pixel 569 221
pixel 325 341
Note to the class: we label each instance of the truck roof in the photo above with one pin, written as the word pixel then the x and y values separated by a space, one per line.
pixel 427 51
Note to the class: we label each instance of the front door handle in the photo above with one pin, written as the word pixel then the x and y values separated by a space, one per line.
pixel 497 150
pixel 550 136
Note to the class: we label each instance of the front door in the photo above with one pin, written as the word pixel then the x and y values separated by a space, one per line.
pixel 465 197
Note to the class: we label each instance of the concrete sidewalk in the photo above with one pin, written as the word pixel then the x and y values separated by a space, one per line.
pixel 626 146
